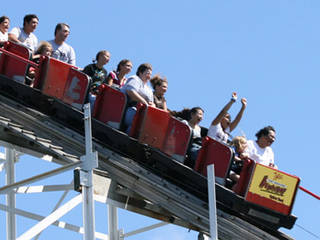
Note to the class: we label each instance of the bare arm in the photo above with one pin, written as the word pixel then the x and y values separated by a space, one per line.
pixel 236 121
pixel 12 37
pixel 136 97
pixel 165 106
pixel 224 110
pixel 237 159
pixel 109 80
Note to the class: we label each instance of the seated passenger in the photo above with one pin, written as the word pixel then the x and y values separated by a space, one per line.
pixel 196 115
pixel 240 145
pixel 222 126
pixel 160 86
pixel 260 150
pixel 119 76
pixel 61 50
pixel 138 91
pixel 44 49
pixel 98 75
pixel 25 34
pixel 182 115
pixel 4 27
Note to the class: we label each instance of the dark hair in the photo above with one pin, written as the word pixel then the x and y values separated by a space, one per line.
pixel 28 18
pixel 4 18
pixel 143 67
pixel 264 131
pixel 122 63
pixel 59 27
pixel 157 81
pixel 195 109
pixel 101 52
pixel 186 113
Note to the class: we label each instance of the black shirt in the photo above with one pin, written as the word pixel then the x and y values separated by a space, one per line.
pixel 98 75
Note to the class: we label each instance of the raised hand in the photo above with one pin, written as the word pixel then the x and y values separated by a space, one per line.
pixel 244 102
pixel 234 96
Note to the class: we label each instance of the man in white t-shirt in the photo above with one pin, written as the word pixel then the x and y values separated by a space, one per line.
pixel 61 50
pixel 260 150
pixel 25 34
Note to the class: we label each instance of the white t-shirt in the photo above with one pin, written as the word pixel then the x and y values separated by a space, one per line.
pixel 216 132
pixel 196 131
pixel 260 155
pixel 63 52
pixel 30 40
pixel 3 36
pixel 136 84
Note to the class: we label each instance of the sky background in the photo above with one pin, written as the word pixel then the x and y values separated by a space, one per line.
pixel 267 51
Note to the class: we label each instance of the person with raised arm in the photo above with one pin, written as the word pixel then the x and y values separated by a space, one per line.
pixel 4 27
pixel 222 126
pixel 24 35
pixel 61 50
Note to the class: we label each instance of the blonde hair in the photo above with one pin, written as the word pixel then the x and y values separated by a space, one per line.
pixel 43 45
pixel 237 141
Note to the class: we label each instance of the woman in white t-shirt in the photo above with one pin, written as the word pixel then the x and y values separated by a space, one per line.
pixel 4 27
pixel 195 117
pixel 222 126
pixel 260 150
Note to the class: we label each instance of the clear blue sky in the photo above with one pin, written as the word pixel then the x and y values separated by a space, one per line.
pixel 267 51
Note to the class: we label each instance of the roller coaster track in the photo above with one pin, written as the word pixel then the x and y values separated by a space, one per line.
pixel 137 188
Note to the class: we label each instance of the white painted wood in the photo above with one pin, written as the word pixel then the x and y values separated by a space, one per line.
pixel 90 162
pixel 10 198
pixel 44 188
pixel 145 229
pixel 212 203
pixel 57 205
pixel 54 172
pixel 2 166
pixel 60 224
pixel 36 229
pixel 113 222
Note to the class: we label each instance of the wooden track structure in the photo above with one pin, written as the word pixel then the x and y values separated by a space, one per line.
pixel 134 186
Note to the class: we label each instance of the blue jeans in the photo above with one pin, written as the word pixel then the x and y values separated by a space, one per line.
pixel 193 154
pixel 92 100
pixel 131 111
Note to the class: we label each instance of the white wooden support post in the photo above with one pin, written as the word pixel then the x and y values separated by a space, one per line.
pixel 121 234
pixel 113 223
pixel 10 198
pixel 89 162
pixel 212 202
